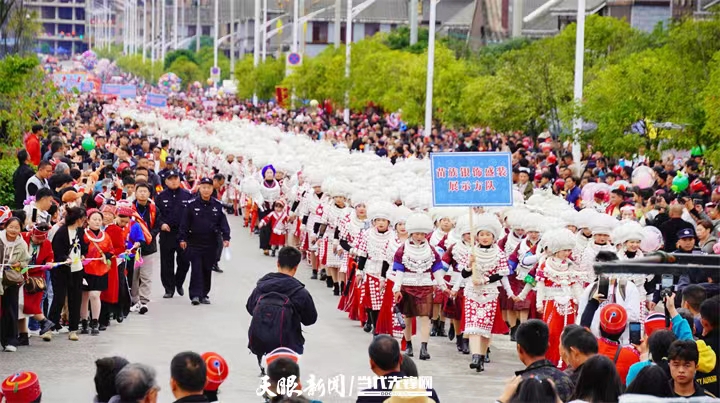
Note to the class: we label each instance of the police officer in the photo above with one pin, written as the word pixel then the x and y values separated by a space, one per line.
pixel 202 221
pixel 169 166
pixel 171 204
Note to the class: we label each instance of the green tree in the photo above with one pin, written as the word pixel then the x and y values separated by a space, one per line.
pixel 186 69
pixel 175 54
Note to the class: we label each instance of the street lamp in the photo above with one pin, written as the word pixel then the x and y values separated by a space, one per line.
pixel 430 69
pixel 352 12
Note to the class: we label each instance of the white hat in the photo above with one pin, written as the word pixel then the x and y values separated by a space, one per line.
pixel 381 210
pixel 488 222
pixel 603 224
pixel 628 231
pixel 533 222
pixel 559 239
pixel 401 214
pixel 419 223
pixel 585 217
pixel 462 226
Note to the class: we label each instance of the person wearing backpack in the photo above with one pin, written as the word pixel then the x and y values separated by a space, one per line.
pixel 279 306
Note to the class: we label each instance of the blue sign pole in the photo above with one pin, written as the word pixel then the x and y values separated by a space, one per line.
pixel 471 179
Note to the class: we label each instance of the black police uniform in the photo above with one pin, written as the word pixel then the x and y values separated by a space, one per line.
pixel 201 223
pixel 171 206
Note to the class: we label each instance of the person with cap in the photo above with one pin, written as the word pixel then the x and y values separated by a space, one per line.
pixel 613 322
pixel 417 268
pixel 169 167
pixel 171 204
pixel 372 262
pixel 217 370
pixel 687 242
pixel 41 257
pixel 485 265
pixel 21 387
pixel 96 266
pixel 202 221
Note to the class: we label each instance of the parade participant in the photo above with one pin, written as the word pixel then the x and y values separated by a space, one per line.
pixel 516 233
pixel 350 229
pixel 628 238
pixel 516 305
pixel 41 256
pixel 67 279
pixel 277 221
pixel 486 266
pixel 203 219
pixel 171 204
pixel 372 262
pixel 559 287
pixel 601 226
pixel 311 212
pixel 417 268
pixel 328 232
pixel 100 250
pixel 444 223
pixel 190 183
pixel 456 257
pixel 269 192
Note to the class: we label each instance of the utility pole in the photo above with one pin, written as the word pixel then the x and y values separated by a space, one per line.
pixel 579 68
pixel 153 34
pixel 232 39
pixel 175 24
pixel 430 70
pixel 413 22
pixel 517 18
pixel 264 30
pixel 198 30
pixel 162 30
pixel 217 34
pixel 338 23
pixel 256 43
pixel 145 28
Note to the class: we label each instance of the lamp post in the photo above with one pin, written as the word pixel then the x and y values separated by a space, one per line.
pixel 264 30
pixel 256 43
pixel 579 67
pixel 352 12
pixel 217 34
pixel 144 33
pixel 430 69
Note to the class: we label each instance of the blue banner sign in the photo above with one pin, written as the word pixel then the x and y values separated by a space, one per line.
pixel 472 179
pixel 122 91
pixel 156 100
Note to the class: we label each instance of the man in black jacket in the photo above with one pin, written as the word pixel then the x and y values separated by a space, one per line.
pixel 20 178
pixel 284 282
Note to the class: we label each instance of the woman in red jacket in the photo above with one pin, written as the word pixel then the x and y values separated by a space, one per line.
pixel 97 266
pixel 41 256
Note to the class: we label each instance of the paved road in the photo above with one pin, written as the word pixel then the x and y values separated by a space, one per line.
pixel 335 345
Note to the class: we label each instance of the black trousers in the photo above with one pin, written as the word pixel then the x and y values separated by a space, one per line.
pixel 202 259
pixel 124 298
pixel 170 253
pixel 66 284
pixel 9 326
pixel 265 231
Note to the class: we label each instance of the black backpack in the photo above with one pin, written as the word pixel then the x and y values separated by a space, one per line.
pixel 271 319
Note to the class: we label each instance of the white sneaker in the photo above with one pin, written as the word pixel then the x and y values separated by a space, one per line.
pixel 143 309
pixel 135 308
pixel 62 330
pixel 10 349
pixel 34 333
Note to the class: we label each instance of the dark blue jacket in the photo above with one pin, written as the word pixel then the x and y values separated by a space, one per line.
pixel 201 222
pixel 171 206
pixel 301 300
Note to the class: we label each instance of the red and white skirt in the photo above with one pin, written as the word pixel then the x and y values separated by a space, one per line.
pixel 479 318
pixel 371 293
